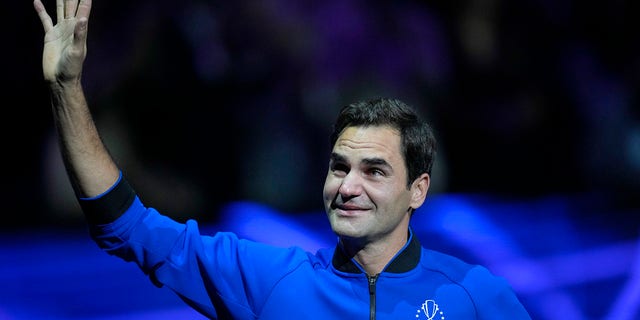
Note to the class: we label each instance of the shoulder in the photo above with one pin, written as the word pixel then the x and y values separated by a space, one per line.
pixel 450 266
pixel 488 291
pixel 459 271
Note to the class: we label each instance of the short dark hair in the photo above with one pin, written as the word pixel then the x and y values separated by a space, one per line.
pixel 418 143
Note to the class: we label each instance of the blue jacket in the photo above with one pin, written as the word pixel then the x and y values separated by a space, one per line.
pixel 225 277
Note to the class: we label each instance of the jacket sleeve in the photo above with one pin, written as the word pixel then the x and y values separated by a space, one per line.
pixel 219 275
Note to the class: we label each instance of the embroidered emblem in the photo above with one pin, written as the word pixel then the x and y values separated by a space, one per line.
pixel 429 311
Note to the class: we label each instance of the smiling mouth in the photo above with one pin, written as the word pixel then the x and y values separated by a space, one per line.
pixel 343 210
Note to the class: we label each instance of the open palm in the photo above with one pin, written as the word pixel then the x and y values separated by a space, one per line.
pixel 65 45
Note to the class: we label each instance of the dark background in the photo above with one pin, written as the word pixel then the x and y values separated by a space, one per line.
pixel 204 103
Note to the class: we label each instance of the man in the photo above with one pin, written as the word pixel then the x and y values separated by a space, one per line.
pixel 379 174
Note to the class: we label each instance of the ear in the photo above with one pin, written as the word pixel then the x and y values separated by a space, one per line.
pixel 419 189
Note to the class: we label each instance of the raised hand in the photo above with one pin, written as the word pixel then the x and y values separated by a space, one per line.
pixel 65 43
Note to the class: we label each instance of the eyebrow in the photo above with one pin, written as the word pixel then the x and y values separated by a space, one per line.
pixel 376 162
pixel 336 157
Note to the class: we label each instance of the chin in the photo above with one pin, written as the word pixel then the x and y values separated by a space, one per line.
pixel 344 228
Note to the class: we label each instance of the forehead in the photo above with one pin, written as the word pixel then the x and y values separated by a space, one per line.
pixel 370 142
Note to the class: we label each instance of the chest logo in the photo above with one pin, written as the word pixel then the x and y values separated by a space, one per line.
pixel 429 310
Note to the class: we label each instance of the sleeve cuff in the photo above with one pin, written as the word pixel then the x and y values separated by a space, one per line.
pixel 110 205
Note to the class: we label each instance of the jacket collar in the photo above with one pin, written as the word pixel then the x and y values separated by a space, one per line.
pixel 407 259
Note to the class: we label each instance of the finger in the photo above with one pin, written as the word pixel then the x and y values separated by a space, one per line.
pixel 70 8
pixel 80 33
pixel 44 16
pixel 59 10
pixel 84 8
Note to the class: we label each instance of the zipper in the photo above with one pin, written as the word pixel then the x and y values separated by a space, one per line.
pixel 372 296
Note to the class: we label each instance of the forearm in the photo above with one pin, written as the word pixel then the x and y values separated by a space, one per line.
pixel 89 165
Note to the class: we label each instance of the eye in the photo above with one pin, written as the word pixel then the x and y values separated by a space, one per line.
pixel 339 167
pixel 376 172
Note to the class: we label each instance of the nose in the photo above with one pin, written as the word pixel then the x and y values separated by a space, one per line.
pixel 351 185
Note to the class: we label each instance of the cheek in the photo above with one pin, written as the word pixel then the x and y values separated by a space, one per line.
pixel 386 195
pixel 330 188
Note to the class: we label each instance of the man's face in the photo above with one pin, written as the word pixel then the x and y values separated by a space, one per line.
pixel 365 192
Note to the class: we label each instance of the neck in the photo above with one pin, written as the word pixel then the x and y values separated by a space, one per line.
pixel 374 256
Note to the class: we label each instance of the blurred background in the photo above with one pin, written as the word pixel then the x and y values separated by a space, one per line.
pixel 221 111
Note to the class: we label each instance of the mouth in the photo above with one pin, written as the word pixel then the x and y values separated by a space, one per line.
pixel 348 210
